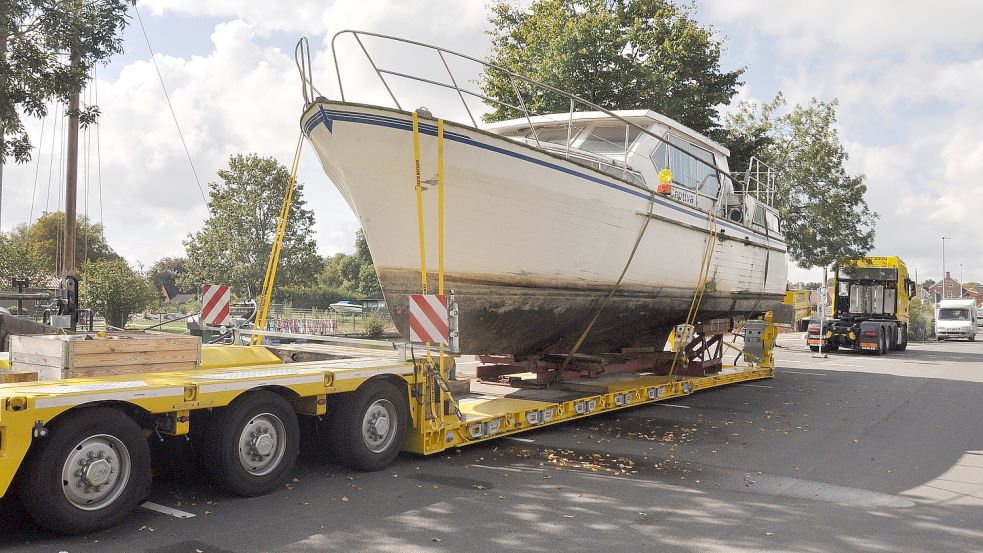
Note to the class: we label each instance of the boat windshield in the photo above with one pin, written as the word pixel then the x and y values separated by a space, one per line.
pixel 610 140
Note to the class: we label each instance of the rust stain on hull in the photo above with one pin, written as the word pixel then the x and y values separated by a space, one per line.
pixel 523 315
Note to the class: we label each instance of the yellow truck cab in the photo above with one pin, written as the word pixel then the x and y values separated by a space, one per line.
pixel 870 307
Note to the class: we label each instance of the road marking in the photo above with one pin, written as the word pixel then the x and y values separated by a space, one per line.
pixel 672 405
pixel 756 386
pixel 167 510
pixel 509 469
pixel 523 440
pixel 801 372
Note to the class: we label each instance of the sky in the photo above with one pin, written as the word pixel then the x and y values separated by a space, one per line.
pixel 907 75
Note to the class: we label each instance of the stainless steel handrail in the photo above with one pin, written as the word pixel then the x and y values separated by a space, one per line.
pixel 443 53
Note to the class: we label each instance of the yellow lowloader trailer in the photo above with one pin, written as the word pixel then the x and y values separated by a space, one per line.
pixel 77 449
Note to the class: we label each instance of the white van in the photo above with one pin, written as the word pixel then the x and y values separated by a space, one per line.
pixel 956 319
pixel 979 317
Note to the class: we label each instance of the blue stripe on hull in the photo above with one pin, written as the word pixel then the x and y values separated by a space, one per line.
pixel 431 130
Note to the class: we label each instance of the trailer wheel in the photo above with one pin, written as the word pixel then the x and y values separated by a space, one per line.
pixel 91 472
pixel 369 426
pixel 250 447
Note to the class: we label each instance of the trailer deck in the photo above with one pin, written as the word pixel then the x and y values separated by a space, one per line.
pixel 165 401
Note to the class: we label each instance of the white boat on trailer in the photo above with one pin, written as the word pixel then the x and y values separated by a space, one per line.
pixel 545 212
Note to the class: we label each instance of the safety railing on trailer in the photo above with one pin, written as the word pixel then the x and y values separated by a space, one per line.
pixel 310 93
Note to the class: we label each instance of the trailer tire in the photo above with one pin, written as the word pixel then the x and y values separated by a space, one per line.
pixel 250 447
pixel 57 492
pixel 369 426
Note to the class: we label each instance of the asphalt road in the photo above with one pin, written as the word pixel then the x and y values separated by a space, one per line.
pixel 849 453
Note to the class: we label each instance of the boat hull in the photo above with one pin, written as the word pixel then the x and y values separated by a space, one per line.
pixel 533 243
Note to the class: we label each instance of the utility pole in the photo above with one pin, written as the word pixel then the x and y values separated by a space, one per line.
pixel 944 238
pixel 71 180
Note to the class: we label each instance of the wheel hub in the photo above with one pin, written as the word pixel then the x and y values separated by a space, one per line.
pixel 95 472
pixel 378 425
pixel 261 444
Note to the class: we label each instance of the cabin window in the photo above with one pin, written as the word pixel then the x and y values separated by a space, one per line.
pixel 609 140
pixel 772 219
pixel 759 216
pixel 555 136
pixel 691 173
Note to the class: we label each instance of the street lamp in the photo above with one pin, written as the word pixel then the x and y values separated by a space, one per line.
pixel 944 238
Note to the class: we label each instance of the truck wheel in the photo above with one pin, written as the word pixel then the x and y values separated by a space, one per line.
pixel 90 472
pixel 369 426
pixel 250 447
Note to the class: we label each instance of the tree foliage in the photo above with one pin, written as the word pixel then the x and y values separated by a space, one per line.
pixel 42 243
pixel 115 290
pixel 17 260
pixel 234 245
pixel 825 215
pixel 354 273
pixel 166 271
pixel 619 54
pixel 35 36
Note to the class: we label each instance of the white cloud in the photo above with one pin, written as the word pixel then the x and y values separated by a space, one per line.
pixel 239 97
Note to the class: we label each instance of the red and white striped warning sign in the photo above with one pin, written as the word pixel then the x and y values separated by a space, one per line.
pixel 216 299
pixel 428 319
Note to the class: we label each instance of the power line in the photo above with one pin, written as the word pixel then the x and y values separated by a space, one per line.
pixel 95 86
pixel 37 168
pixel 167 97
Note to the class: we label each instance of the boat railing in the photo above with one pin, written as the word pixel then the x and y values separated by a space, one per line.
pixel 760 182
pixel 517 104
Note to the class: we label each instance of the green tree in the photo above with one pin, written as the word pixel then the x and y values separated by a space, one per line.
pixel 972 285
pixel 234 245
pixel 825 215
pixel 44 239
pixel 928 283
pixel 114 290
pixel 19 261
pixel 165 272
pixel 618 54
pixel 34 36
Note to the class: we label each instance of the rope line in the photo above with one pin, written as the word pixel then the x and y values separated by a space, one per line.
pixel 187 152
pixel 617 284
pixel 37 169
pixel 701 284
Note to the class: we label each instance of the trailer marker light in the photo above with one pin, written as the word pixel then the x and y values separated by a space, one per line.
pixel 492 427
pixel 584 407
pixel 532 417
pixel 622 399
pixel 475 431
pixel 546 415
pixel 687 387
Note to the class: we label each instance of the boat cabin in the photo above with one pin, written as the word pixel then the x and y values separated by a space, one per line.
pixel 698 164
